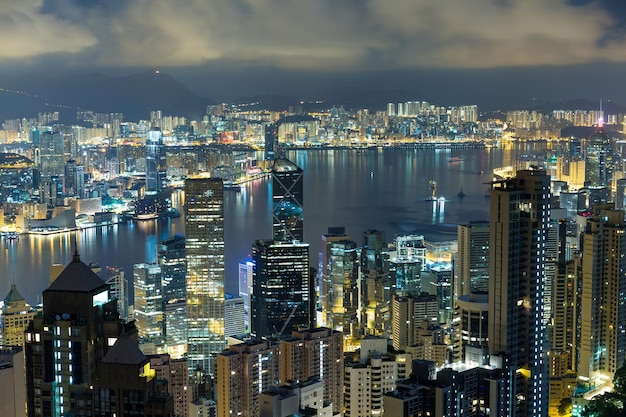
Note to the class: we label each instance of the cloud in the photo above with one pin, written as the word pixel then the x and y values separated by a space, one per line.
pixel 320 34
pixel 28 32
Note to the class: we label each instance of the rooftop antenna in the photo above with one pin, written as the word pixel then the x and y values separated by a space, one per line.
pixel 601 117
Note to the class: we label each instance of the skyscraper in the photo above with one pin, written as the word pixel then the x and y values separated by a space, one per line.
pixel 283 290
pixel 155 162
pixel 343 292
pixel 65 343
pixel 287 200
pixel 375 285
pixel 204 240
pixel 16 316
pixel 315 353
pixel 171 258
pixel 603 319
pixel 334 234
pixel 598 159
pixel 473 264
pixel 244 371
pixel 149 303
pixel 520 213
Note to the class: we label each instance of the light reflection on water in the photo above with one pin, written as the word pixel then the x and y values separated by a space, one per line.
pixel 384 190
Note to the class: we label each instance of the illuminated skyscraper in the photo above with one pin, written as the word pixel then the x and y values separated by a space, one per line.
pixel 343 292
pixel 598 159
pixel 375 285
pixel 520 213
pixel 287 200
pixel 149 303
pixel 603 318
pixel 473 264
pixel 155 162
pixel 334 234
pixel 204 240
pixel 283 290
pixel 66 342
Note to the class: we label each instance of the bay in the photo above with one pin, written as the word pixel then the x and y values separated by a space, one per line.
pixel 382 189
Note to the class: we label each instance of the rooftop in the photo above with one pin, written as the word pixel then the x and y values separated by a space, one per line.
pixel 77 277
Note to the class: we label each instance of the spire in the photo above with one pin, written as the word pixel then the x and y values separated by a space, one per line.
pixel 76 257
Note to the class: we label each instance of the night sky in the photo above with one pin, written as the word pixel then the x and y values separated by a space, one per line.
pixel 556 48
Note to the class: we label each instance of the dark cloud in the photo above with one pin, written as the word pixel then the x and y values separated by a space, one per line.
pixel 322 34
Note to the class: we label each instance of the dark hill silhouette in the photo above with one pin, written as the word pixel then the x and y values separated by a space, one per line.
pixel 134 96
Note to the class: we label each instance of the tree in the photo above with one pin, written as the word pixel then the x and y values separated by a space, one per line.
pixel 611 404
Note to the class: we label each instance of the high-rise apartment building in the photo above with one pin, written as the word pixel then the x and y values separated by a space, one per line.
pixel 408 314
pixel 246 271
pixel 243 372
pixel 287 200
pixel 118 290
pixel 368 378
pixel 204 240
pixel 520 213
pixel 174 371
pixel 283 290
pixel 315 353
pixel 603 307
pixel 233 316
pixel 16 316
pixel 65 343
pixel 375 285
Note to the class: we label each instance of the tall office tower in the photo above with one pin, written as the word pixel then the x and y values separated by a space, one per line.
pixel 171 257
pixel 598 159
pixel 12 382
pixel 343 291
pixel 603 318
pixel 79 182
pixel 155 162
pixel 287 200
pixel 620 194
pixel 16 316
pixel 243 372
pixel 70 178
pixel 67 340
pixel 149 303
pixel 283 290
pixel 118 290
pixel 246 271
pixel 233 316
pixel 50 160
pixel 375 285
pixel 408 314
pixel 367 378
pixel 175 311
pixel 315 352
pixel 472 312
pixel 126 384
pixel 473 263
pixel 334 234
pixel 411 247
pixel 174 371
pixel 520 213
pixel 439 281
pixel 271 141
pixel 204 240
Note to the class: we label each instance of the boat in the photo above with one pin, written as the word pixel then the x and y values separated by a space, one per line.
pixel 461 194
pixel 454 159
pixel 146 216
pixel 231 186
